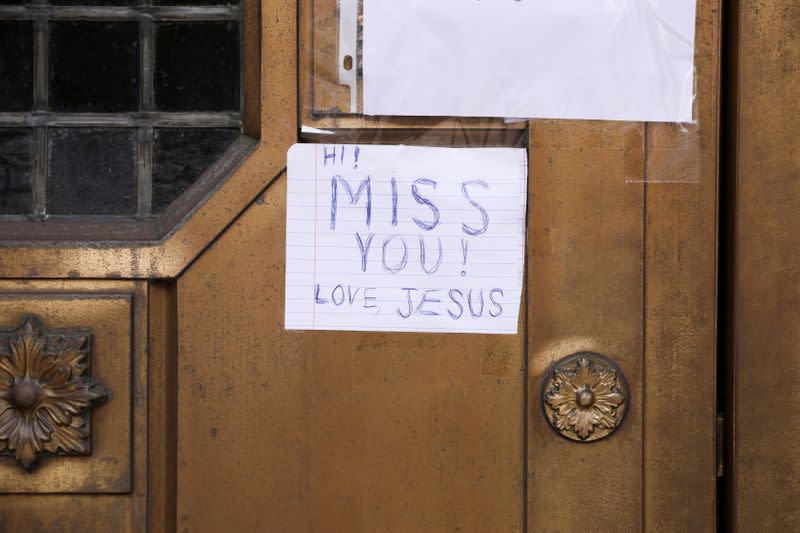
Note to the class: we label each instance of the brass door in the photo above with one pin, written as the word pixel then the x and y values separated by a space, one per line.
pixel 761 280
pixel 220 420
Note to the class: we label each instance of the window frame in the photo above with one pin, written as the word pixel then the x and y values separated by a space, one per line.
pixel 165 246
pixel 143 224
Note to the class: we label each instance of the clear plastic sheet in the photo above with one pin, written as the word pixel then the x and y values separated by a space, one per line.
pixel 329 115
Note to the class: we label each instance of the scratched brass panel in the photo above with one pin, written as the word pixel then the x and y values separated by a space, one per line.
pixel 585 279
pixel 680 362
pixel 320 431
pixel 622 261
pixel 764 478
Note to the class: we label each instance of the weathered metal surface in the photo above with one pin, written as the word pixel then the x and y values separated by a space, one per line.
pixel 764 266
pixel 336 432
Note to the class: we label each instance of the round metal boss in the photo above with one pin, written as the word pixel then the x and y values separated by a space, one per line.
pixel 585 397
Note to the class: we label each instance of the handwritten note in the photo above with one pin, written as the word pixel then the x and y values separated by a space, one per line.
pixel 577 59
pixel 399 238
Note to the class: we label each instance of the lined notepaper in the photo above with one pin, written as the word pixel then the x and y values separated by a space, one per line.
pixel 399 238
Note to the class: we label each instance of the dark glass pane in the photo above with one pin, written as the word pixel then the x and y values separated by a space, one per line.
pixel 16 66
pixel 181 156
pixel 16 158
pixel 94 66
pixel 92 171
pixel 195 2
pixel 13 2
pixel 95 2
pixel 197 66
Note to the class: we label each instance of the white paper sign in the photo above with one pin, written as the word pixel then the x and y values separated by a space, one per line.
pixel 572 59
pixel 399 238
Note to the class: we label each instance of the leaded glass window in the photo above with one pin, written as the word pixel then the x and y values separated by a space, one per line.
pixel 113 109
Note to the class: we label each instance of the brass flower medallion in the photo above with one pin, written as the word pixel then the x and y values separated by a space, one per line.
pixel 585 397
pixel 45 392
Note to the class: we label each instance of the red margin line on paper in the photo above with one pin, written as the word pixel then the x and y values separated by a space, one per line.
pixel 316 215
